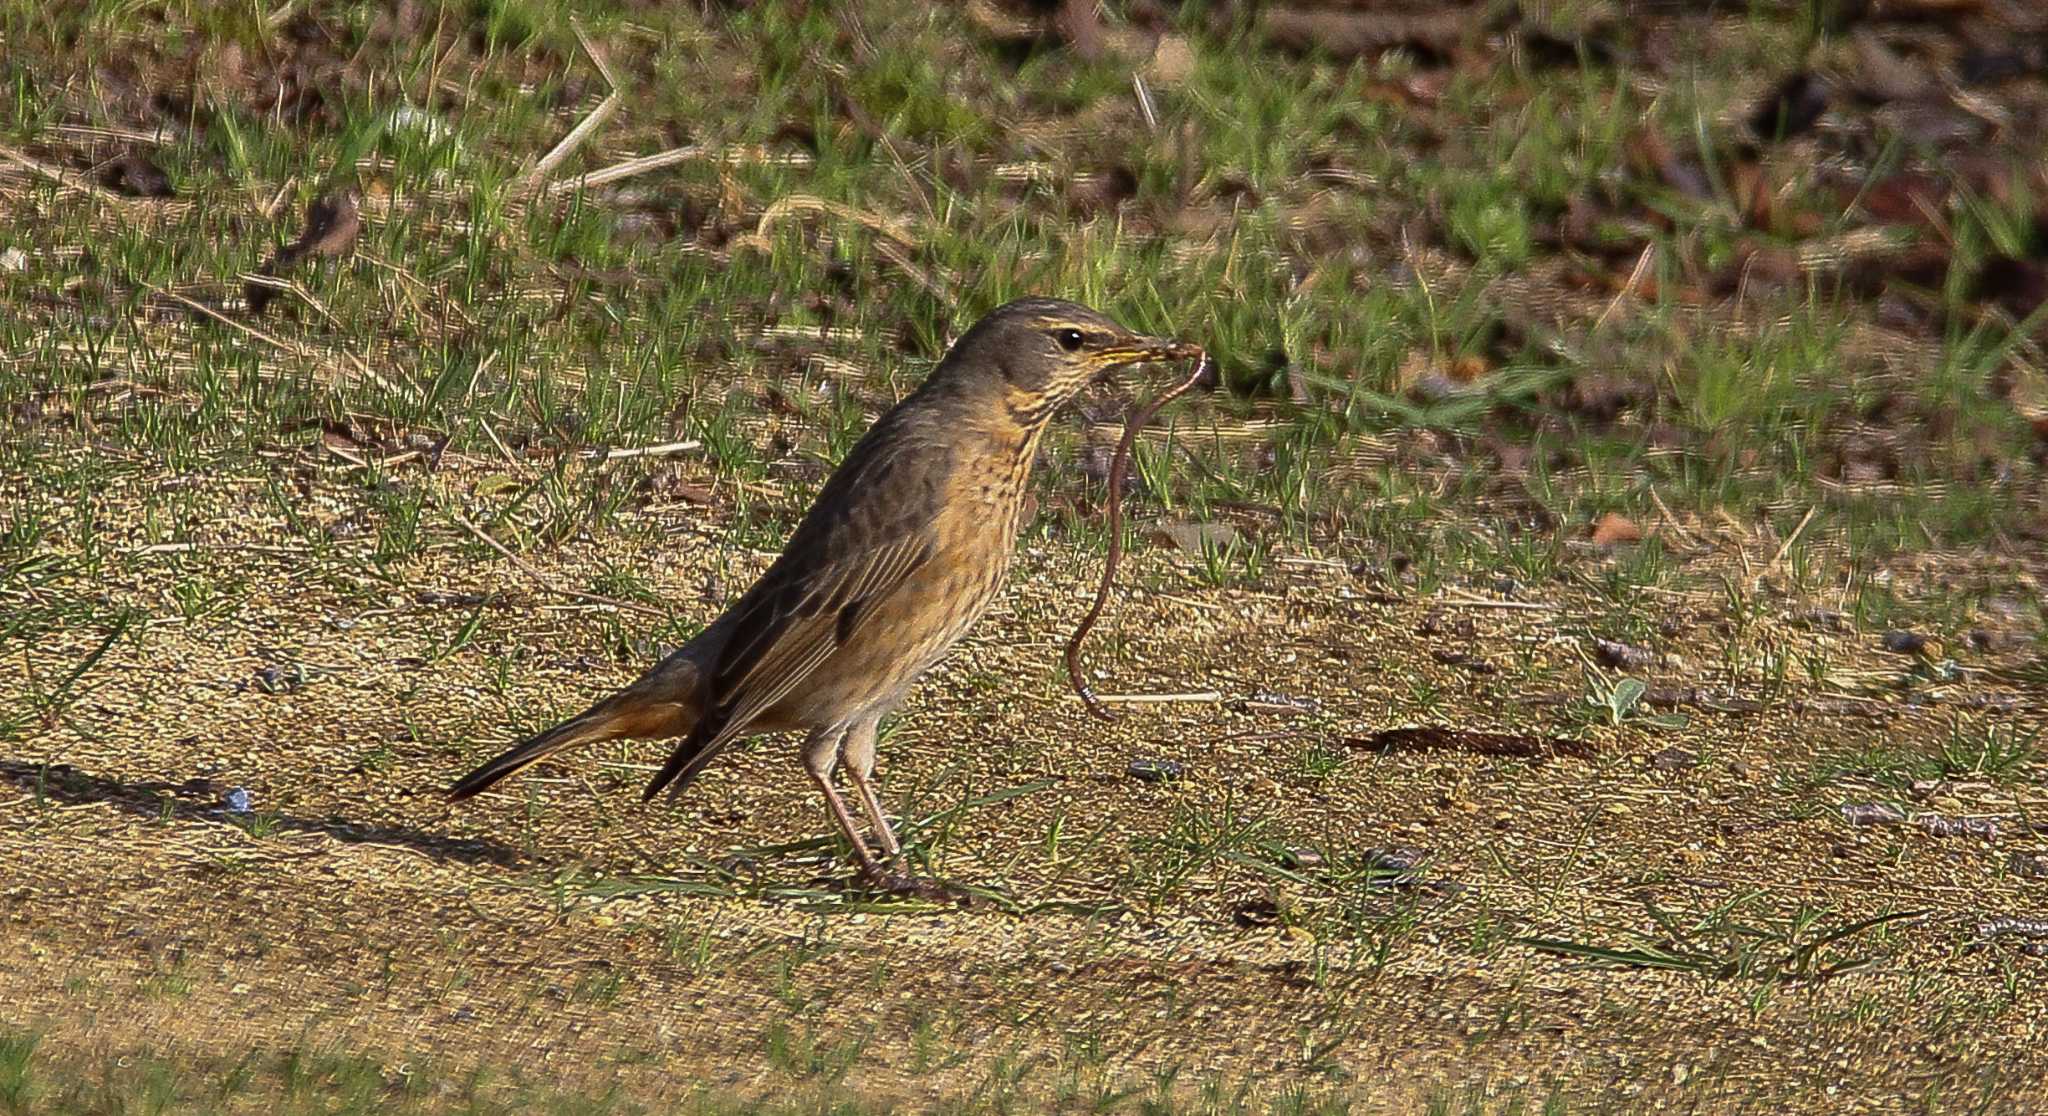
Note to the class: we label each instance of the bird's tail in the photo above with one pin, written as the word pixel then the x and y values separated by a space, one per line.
pixel 658 705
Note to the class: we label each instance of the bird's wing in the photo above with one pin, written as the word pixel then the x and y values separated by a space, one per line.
pixel 788 624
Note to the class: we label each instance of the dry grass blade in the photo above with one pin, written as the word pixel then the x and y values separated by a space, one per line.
pixel 665 449
pixel 65 178
pixel 584 128
pixel 802 204
pixel 582 132
pixel 897 237
pixel 403 391
pixel 744 153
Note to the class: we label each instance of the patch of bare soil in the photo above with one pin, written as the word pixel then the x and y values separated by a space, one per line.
pixel 1337 888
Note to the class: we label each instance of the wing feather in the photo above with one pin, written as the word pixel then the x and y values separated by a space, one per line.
pixel 873 526
pixel 788 625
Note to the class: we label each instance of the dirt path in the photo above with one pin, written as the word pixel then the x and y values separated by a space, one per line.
pixel 566 930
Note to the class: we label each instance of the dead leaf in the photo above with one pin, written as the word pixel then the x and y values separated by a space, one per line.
pixel 332 224
pixel 1598 398
pixel 1541 49
pixel 1172 61
pixel 1348 34
pixel 1931 10
pixel 1993 65
pixel 1426 377
pixel 1885 75
pixel 495 484
pixel 1753 195
pixel 1614 529
pixel 1622 656
pixel 1649 152
pixel 1077 26
pixel 1090 194
pixel 690 493
pixel 1468 368
pixel 1932 121
pixel 1297 385
pixel 1909 197
pixel 1431 738
pixel 338 439
pixel 1760 265
pixel 1589 227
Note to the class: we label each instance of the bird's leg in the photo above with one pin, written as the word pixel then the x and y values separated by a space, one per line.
pixel 873 806
pixel 858 751
pixel 857 744
pixel 821 755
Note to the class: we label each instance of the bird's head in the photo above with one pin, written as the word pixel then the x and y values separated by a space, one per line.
pixel 1037 353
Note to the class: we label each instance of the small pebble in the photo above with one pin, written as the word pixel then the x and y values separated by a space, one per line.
pixel 1398 858
pixel 1674 759
pixel 1255 913
pixel 1872 813
pixel 1154 770
pixel 1940 825
pixel 1901 642
pixel 2021 927
pixel 1302 858
pixel 1626 656
pixel 279 679
pixel 1270 699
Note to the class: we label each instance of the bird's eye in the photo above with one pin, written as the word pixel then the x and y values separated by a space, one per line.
pixel 1069 339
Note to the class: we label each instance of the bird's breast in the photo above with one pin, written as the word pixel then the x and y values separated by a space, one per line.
pixel 977 530
pixel 974 531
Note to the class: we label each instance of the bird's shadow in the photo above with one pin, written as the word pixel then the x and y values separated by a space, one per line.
pixel 200 799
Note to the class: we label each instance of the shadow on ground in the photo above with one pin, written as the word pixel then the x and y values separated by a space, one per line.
pixel 199 798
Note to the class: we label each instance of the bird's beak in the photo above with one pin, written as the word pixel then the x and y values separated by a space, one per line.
pixel 1151 348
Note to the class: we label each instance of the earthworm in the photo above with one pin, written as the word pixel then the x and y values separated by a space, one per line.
pixel 1117 467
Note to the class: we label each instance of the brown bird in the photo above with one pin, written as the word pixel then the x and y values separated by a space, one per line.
pixel 907 544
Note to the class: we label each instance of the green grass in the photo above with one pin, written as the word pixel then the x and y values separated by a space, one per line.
pixel 1743 940
pixel 36 1082
pixel 807 1070
pixel 489 318
pixel 1413 389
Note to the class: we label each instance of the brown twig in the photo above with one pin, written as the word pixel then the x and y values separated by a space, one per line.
pixel 1117 467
